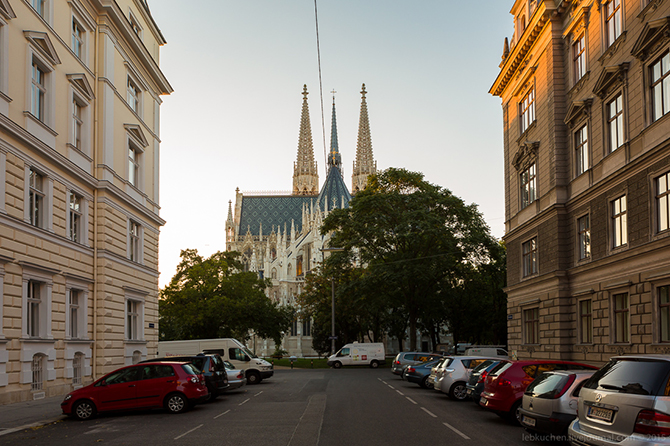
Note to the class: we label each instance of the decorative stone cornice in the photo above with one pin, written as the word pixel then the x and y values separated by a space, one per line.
pixel 6 10
pixel 613 48
pixel 526 155
pixel 610 76
pixel 655 33
pixel 577 108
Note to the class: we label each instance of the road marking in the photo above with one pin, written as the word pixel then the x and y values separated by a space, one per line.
pixel 456 430
pixel 411 400
pixel 186 433
pixel 244 401
pixel 392 387
pixel 221 414
pixel 400 392
pixel 259 393
pixel 429 412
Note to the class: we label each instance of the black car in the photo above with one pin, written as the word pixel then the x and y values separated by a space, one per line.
pixel 212 367
pixel 475 385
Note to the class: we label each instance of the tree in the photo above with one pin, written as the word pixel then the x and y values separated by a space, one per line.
pixel 212 298
pixel 417 242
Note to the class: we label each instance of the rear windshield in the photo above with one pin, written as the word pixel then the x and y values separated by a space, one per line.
pixel 188 368
pixel 547 385
pixel 482 366
pixel 218 363
pixel 446 363
pixel 500 368
pixel 639 376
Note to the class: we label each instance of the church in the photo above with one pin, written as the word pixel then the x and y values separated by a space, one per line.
pixel 278 234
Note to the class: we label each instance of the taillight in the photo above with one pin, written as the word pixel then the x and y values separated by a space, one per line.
pixel 482 377
pixel 565 387
pixel 194 379
pixel 503 382
pixel 411 369
pixel 396 362
pixel 650 422
pixel 240 375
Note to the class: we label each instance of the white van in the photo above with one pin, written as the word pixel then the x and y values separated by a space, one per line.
pixel 487 350
pixel 369 353
pixel 255 368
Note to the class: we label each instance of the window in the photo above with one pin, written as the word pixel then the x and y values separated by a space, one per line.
pixel 530 257
pixel 77 368
pixel 619 222
pixel 527 110
pixel 37 383
pixel 34 300
pixel 134 245
pixel 74 313
pixel 133 95
pixel 615 122
pixel 531 324
pixel 294 328
pixel 38 92
pixel 663 201
pixel 274 273
pixel 579 57
pixel 132 317
pixel 664 312
pixel 621 318
pixel 612 21
pixel 307 327
pixel 75 232
pixel 39 6
pixel 77 124
pixel 584 231
pixel 528 186
pixel 134 24
pixel 77 39
pixel 660 87
pixel 585 322
pixel 582 150
pixel 133 166
pixel 36 199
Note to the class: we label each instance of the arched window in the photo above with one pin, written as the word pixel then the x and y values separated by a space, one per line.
pixel 77 368
pixel 289 270
pixel 274 273
pixel 38 372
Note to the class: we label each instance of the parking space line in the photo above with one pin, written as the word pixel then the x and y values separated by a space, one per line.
pixel 411 400
pixel 186 433
pixel 400 392
pixel 221 414
pixel 259 393
pixel 392 387
pixel 429 412
pixel 244 401
pixel 457 431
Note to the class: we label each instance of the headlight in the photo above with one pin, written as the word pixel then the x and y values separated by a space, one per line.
pixel 67 397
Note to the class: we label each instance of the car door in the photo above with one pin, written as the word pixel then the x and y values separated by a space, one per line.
pixel 156 381
pixel 118 390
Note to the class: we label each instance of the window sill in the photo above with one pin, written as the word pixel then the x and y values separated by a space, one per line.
pixel 524 134
pixel 79 151
pixel 38 340
pixel 613 48
pixel 579 84
pixel 135 341
pixel 79 341
pixel 41 123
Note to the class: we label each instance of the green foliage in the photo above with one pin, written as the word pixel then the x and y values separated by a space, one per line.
pixel 212 298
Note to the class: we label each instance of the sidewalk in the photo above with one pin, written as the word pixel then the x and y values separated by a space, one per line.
pixel 18 416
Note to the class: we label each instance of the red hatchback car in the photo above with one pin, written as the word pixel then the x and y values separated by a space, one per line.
pixel 506 383
pixel 173 385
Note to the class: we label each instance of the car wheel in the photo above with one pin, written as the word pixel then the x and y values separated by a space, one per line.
pixel 374 364
pixel 458 391
pixel 337 365
pixel 84 410
pixel 515 413
pixel 212 396
pixel 253 377
pixel 176 403
pixel 424 383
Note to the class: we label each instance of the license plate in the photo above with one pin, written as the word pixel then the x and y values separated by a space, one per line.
pixel 529 421
pixel 469 392
pixel 599 413
pixel 482 401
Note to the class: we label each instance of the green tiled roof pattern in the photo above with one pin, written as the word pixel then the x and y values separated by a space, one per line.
pixel 271 211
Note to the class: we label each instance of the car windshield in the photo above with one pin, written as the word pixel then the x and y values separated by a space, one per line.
pixel 547 385
pixel 632 375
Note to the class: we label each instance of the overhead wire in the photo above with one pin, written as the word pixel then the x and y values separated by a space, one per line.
pixel 318 54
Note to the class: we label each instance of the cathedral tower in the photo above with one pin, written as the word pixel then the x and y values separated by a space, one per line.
pixel 364 164
pixel 334 157
pixel 305 175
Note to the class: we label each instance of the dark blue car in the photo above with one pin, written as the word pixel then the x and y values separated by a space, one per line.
pixel 419 373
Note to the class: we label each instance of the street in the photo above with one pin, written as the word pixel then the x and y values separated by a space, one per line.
pixel 351 406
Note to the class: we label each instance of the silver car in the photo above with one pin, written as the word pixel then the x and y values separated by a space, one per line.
pixel 625 403
pixel 452 375
pixel 550 402
pixel 403 359
pixel 236 378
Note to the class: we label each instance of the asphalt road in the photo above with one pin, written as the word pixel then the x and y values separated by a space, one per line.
pixel 358 406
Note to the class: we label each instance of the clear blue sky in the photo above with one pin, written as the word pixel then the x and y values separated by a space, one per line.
pixel 238 67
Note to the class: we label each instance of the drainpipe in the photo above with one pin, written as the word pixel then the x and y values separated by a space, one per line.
pixel 94 359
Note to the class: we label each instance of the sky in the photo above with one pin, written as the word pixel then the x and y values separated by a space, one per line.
pixel 238 69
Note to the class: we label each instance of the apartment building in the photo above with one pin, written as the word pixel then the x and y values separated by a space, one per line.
pixel 585 90
pixel 80 88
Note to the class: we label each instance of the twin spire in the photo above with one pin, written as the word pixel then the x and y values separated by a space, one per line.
pixel 305 175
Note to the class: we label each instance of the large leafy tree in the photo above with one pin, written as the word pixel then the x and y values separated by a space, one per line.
pixel 212 297
pixel 418 243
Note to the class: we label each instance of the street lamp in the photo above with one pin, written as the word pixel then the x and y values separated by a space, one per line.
pixel 332 289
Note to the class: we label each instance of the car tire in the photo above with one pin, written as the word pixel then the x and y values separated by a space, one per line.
pixel 212 396
pixel 176 403
pixel 84 410
pixel 253 377
pixel 374 364
pixel 337 365
pixel 458 391
pixel 514 415
pixel 424 383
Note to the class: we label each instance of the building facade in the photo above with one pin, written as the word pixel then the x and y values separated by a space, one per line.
pixel 278 233
pixel 585 90
pixel 80 88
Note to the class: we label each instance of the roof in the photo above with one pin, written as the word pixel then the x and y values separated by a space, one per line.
pixel 334 190
pixel 269 211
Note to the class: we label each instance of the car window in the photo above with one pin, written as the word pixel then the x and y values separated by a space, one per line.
pixel 479 367
pixel 237 354
pixel 501 352
pixel 218 362
pixel 529 370
pixel 549 367
pixel 189 369
pixel 500 368
pixel 547 385
pixel 638 376
pixel 157 371
pixel 578 388
pixel 475 362
pixel 122 376
pixel 228 365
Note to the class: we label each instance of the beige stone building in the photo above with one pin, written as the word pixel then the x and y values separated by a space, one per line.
pixel 80 88
pixel 585 89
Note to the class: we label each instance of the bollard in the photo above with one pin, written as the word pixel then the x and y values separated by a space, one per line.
pixel 312 361
pixel 291 364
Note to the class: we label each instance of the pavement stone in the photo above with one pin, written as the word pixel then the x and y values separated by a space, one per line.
pixel 15 417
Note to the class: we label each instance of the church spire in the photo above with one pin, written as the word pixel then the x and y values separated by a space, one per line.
pixel 305 175
pixel 364 164
pixel 334 157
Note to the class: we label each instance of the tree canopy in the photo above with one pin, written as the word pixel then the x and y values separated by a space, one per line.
pixel 214 298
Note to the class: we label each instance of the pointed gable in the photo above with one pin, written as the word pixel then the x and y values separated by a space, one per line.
pixel 6 10
pixel 576 109
pixel 80 82
pixel 609 77
pixel 135 131
pixel 655 32
pixel 43 44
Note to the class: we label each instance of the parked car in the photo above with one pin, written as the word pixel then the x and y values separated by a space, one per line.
pixel 212 367
pixel 453 373
pixel 419 373
pixel 506 383
pixel 176 386
pixel 626 402
pixel 236 378
pixel 475 385
pixel 404 359
pixel 549 403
